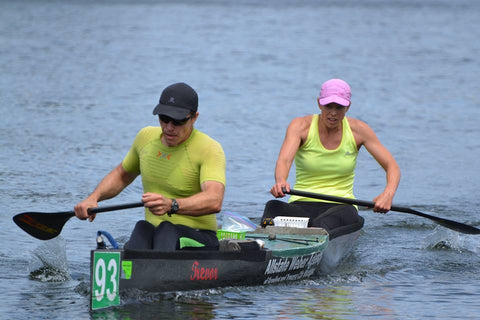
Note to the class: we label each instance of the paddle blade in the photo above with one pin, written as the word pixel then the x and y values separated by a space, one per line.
pixel 450 224
pixel 41 225
pixel 459 227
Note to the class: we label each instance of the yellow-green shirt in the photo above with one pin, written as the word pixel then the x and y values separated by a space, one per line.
pixel 176 172
pixel 325 171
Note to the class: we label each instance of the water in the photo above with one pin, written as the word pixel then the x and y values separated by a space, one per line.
pixel 80 78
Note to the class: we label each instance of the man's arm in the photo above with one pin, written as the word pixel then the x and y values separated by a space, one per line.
pixel 110 186
pixel 208 201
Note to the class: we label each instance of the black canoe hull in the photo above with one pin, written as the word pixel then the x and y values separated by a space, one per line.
pixel 287 257
pixel 180 271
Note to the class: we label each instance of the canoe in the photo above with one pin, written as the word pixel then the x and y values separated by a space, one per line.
pixel 288 254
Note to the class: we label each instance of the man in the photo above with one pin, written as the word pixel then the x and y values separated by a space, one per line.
pixel 325 149
pixel 183 177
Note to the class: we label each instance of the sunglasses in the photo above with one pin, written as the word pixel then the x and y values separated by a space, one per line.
pixel 167 119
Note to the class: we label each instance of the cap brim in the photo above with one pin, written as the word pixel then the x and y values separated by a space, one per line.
pixel 334 99
pixel 176 113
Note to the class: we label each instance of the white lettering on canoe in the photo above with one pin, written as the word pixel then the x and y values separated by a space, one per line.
pixel 277 265
pixel 290 277
pixel 315 259
pixel 299 262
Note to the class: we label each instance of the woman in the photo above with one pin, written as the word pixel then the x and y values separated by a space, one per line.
pixel 325 149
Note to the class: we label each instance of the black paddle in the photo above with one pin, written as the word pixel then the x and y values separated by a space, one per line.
pixel 457 226
pixel 48 225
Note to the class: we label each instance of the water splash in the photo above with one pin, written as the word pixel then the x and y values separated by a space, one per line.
pixel 444 239
pixel 48 262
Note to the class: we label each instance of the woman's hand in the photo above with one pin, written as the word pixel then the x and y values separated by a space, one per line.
pixel 383 202
pixel 277 189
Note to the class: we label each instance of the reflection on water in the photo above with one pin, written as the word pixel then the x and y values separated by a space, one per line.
pixel 320 303
pixel 164 306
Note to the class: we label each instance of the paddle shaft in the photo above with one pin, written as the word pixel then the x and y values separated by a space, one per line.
pixel 96 210
pixel 114 207
pixel 369 204
pixel 454 225
pixel 92 211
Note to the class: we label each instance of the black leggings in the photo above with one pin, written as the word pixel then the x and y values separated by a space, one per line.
pixel 329 216
pixel 166 237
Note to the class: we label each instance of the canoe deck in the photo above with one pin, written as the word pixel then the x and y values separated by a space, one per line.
pixel 286 241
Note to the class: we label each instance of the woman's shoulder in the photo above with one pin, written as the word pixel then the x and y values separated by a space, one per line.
pixel 302 122
pixel 356 124
pixel 360 129
pixel 299 127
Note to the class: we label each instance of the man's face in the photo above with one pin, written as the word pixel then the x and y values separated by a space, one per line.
pixel 174 132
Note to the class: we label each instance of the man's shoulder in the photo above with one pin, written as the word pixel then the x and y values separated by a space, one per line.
pixel 146 135
pixel 203 144
pixel 202 137
pixel 149 133
pixel 150 130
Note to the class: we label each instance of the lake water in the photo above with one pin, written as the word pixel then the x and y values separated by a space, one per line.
pixel 80 78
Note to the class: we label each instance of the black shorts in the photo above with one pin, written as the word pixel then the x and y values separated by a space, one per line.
pixel 167 237
pixel 336 218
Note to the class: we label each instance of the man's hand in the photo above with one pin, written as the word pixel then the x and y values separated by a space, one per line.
pixel 82 207
pixel 156 203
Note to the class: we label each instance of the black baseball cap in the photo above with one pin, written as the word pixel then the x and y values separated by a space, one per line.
pixel 177 101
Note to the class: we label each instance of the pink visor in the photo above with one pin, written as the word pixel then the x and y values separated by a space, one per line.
pixel 335 91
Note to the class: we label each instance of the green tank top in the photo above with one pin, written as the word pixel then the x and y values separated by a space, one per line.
pixel 321 170
pixel 176 172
